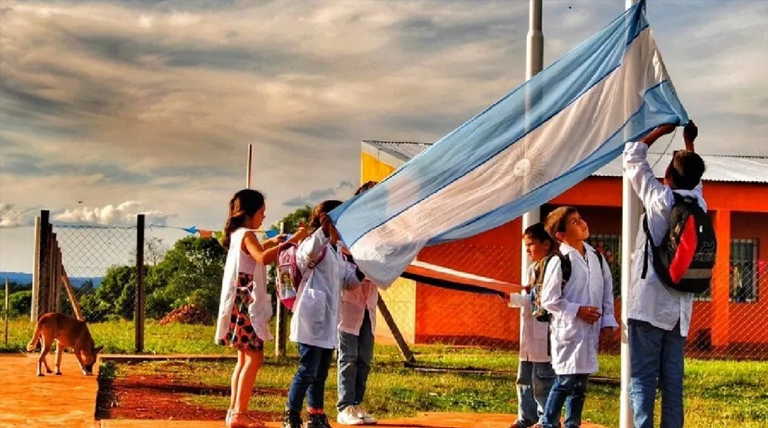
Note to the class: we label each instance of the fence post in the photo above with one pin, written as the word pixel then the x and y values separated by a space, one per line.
pixel 43 271
pixel 139 316
pixel 7 308
pixel 57 278
pixel 281 319
pixel 36 272
pixel 51 270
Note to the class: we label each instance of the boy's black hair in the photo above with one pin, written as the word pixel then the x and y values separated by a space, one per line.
pixel 685 170
pixel 539 233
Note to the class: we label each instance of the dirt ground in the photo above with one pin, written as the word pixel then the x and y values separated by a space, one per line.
pixel 70 401
pixel 159 397
pixel 50 401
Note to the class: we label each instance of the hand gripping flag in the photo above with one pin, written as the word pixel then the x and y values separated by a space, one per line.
pixel 538 141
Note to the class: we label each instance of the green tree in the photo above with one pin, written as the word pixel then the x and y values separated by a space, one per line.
pixel 20 303
pixel 292 220
pixel 115 296
pixel 189 273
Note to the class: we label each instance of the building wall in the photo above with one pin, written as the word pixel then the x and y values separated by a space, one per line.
pixel 438 314
pixel 458 317
pixel 745 318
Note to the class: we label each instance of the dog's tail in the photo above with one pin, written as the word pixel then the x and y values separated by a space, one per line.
pixel 35 339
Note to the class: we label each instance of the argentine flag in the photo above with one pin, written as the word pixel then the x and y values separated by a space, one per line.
pixel 538 141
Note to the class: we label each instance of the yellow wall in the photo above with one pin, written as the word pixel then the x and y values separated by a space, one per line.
pixel 401 296
pixel 400 299
pixel 372 169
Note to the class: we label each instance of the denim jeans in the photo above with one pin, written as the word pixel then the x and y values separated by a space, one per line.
pixel 355 356
pixel 314 363
pixel 534 381
pixel 656 359
pixel 570 390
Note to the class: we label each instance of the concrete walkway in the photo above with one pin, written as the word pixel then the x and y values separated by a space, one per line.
pixel 27 400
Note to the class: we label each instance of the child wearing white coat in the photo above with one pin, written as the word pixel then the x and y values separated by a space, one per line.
pixel 356 332
pixel 315 322
pixel 581 309
pixel 534 373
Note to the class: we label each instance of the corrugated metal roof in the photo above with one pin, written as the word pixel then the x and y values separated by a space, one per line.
pixel 727 168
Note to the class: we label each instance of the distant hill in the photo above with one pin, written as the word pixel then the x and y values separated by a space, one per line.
pixel 22 278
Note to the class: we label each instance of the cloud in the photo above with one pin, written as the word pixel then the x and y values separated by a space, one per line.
pixel 124 214
pixel 344 190
pixel 10 217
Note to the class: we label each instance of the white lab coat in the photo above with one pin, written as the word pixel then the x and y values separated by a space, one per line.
pixel 649 299
pixel 354 302
pixel 574 341
pixel 533 333
pixel 316 310
pixel 260 311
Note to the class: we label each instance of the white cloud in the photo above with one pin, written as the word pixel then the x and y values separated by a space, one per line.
pixel 124 214
pixel 10 217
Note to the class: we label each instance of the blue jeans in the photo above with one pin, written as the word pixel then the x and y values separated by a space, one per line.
pixel 314 363
pixel 355 356
pixel 534 381
pixel 656 359
pixel 570 390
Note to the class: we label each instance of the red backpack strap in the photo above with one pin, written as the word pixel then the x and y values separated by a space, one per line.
pixel 314 263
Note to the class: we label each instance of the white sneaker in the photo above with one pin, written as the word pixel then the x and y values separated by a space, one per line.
pixel 348 416
pixel 365 416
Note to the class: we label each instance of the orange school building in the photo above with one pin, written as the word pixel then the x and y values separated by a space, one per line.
pixel 728 321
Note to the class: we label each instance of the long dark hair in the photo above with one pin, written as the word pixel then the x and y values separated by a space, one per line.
pixel 245 203
pixel 322 208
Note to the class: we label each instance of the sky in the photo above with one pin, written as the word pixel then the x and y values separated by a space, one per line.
pixel 108 109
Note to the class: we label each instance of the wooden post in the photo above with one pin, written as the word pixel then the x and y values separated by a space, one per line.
pixel 71 293
pixel 43 277
pixel 51 270
pixel 7 307
pixel 402 345
pixel 35 272
pixel 139 317
pixel 57 278
pixel 281 320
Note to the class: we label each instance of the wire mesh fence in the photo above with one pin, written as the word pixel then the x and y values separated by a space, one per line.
pixel 726 321
pixel 182 275
pixel 100 263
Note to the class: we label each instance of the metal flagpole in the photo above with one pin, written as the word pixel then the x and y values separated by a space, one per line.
pixel 249 167
pixel 630 221
pixel 534 64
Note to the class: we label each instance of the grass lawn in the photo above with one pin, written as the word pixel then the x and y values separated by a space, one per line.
pixel 718 393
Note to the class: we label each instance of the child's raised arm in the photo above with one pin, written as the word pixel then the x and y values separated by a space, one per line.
pixel 267 254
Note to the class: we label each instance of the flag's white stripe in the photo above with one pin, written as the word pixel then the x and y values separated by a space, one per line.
pixel 457 273
pixel 545 153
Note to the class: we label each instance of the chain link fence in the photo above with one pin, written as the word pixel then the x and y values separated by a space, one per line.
pixel 100 263
pixel 726 321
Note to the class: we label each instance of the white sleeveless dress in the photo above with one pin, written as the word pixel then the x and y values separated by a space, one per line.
pixel 245 308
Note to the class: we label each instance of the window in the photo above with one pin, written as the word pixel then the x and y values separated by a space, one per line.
pixel 610 247
pixel 744 274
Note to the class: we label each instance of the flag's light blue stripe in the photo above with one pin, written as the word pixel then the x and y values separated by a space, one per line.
pixel 495 129
pixel 658 108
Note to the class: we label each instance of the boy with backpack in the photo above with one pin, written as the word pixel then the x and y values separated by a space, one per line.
pixel 673 260
pixel 581 310
pixel 534 372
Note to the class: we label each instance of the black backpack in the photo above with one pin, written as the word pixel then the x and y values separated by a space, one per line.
pixel 539 313
pixel 686 256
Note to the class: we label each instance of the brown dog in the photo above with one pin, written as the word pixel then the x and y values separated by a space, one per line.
pixel 69 332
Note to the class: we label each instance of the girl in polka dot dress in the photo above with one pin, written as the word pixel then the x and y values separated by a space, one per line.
pixel 245 307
